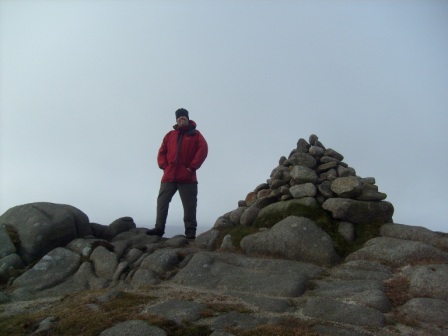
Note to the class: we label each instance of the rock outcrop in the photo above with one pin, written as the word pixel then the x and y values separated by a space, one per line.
pixel 314 246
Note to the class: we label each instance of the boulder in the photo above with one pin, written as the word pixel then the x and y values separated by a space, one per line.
pixel 359 212
pixel 303 190
pixel 177 310
pixel 428 281
pixel 161 261
pixel 336 311
pixel 295 238
pixel 52 269
pixel 347 187
pixel 275 212
pixel 236 273
pixel 207 240
pixel 397 253
pixel 6 245
pixel 134 328
pixel 415 233
pixel 104 262
pixel 118 226
pixel 301 174
pixel 249 215
pixel 9 263
pixel 426 310
pixel 41 227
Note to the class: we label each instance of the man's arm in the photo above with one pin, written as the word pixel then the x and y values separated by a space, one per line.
pixel 201 153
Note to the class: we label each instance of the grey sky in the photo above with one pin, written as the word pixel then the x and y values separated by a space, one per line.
pixel 88 89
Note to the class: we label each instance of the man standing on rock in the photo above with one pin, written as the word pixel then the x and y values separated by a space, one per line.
pixel 182 152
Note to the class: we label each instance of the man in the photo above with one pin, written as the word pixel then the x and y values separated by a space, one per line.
pixel 182 152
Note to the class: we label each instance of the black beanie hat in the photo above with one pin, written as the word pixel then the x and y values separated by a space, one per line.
pixel 182 112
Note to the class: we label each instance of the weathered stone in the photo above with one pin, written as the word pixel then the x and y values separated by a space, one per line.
pixel 143 278
pixel 133 255
pixel 98 229
pixel 301 174
pixel 85 278
pixel 241 203
pixel 303 190
pixel 397 253
pixel 6 245
pixel 176 241
pixel 295 238
pixel 270 304
pixel 249 215
pixel 303 159
pixel 263 193
pixel 104 262
pixel 10 262
pixel 371 195
pixel 118 226
pixel 362 270
pixel 345 288
pixel 237 320
pixel 235 215
pixel 275 212
pixel 207 240
pixel 250 199
pixel 345 171
pixel 359 212
pixel 222 222
pixel 278 183
pixel 325 189
pixel 327 159
pixel 161 261
pixel 52 269
pixel 368 180
pixel 373 298
pixel 347 187
pixel 177 311
pixel 428 281
pixel 329 175
pixel 282 160
pixel 227 243
pixel 332 153
pixel 336 311
pixel 84 246
pixel 347 230
pixel 261 187
pixel 316 151
pixel 313 139
pixel 134 328
pixel 302 146
pixel 415 233
pixel 327 166
pixel 45 226
pixel 233 272
pixel 263 202
pixel 426 310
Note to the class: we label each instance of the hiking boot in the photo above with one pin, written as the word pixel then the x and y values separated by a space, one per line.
pixel 155 232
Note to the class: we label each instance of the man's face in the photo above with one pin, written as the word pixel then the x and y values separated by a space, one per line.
pixel 182 121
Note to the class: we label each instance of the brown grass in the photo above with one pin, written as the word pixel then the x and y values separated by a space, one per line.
pixel 286 327
pixel 74 315
pixel 397 290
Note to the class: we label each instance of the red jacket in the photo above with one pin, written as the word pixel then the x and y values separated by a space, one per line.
pixel 182 148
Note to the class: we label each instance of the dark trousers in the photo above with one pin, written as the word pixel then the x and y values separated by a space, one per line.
pixel 188 194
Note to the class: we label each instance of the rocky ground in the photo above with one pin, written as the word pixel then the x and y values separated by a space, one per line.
pixel 313 251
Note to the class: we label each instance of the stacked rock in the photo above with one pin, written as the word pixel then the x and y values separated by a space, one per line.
pixel 317 176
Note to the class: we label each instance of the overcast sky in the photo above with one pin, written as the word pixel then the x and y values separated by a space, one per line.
pixel 88 89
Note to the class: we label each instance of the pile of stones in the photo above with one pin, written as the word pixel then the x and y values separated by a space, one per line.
pixel 314 176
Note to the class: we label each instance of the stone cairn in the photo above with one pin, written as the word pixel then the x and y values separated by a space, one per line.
pixel 315 176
